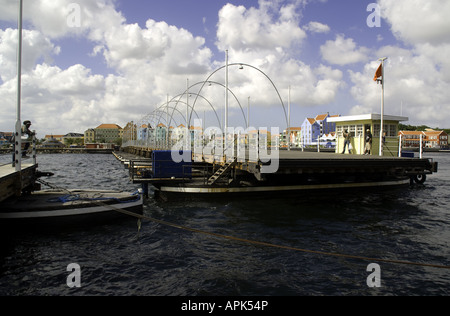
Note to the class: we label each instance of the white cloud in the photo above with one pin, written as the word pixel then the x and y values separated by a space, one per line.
pixel 255 29
pixel 343 51
pixel 414 86
pixel 270 38
pixel 317 27
pixel 418 21
pixel 417 78
pixel 149 62
pixel 35 48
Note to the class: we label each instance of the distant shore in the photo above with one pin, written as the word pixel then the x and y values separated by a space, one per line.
pixel 66 151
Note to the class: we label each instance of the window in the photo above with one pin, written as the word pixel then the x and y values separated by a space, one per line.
pixel 390 130
pixel 352 130
pixel 376 130
pixel 359 130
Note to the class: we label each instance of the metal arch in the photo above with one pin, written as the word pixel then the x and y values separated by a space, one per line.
pixel 198 95
pixel 235 97
pixel 175 108
pixel 247 65
pixel 215 82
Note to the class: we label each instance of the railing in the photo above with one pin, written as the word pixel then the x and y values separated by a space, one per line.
pixel 213 147
pixel 19 155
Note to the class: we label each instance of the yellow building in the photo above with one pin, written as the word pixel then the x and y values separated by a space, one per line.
pixel 357 126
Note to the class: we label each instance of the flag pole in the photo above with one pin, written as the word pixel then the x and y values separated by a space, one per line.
pixel 18 127
pixel 382 104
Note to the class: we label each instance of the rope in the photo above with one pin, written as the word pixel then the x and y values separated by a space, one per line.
pixel 260 243
pixel 265 244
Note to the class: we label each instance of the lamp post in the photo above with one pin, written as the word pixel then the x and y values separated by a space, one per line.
pixel 225 144
pixel 289 120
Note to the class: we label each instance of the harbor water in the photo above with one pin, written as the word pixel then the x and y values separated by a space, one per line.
pixel 411 224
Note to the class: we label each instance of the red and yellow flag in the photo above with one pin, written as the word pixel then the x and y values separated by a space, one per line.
pixel 379 73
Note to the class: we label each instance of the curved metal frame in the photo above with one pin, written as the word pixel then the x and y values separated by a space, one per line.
pixel 247 65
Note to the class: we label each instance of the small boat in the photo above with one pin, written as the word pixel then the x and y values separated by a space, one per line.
pixel 70 207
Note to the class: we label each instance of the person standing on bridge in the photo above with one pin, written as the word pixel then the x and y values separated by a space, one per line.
pixel 29 135
pixel 347 141
pixel 368 148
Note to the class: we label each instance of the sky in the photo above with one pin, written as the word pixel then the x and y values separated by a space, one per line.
pixel 92 62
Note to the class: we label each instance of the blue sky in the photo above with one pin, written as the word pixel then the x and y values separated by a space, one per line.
pixel 126 57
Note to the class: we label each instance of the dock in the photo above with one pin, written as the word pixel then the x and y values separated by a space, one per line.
pixel 13 183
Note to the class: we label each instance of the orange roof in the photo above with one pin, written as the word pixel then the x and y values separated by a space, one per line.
pixel 321 117
pixel 109 126
pixel 411 132
pixel 433 132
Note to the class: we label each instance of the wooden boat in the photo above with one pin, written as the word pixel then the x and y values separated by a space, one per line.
pixel 54 208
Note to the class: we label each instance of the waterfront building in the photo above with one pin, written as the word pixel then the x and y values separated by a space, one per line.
pixel 314 128
pixel 52 143
pixel 104 133
pixel 108 133
pixel 357 125
pixel 430 139
pixel 73 139
pixel 143 131
pixel 59 138
pixel 89 136
pixel 7 136
pixel 294 137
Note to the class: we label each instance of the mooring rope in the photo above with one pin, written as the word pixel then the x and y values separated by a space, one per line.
pixel 261 243
pixel 255 242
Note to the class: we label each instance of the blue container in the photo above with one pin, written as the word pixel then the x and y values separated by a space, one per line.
pixel 407 154
pixel 165 167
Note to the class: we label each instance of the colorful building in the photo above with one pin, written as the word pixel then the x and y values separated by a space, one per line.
pixel 314 128
pixel 430 139
pixel 104 133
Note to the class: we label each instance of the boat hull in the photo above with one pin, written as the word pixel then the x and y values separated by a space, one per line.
pixel 266 190
pixel 79 207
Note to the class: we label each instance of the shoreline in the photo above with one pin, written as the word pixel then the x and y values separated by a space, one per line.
pixel 66 151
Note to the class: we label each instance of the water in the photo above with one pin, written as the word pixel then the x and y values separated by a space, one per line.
pixel 411 224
